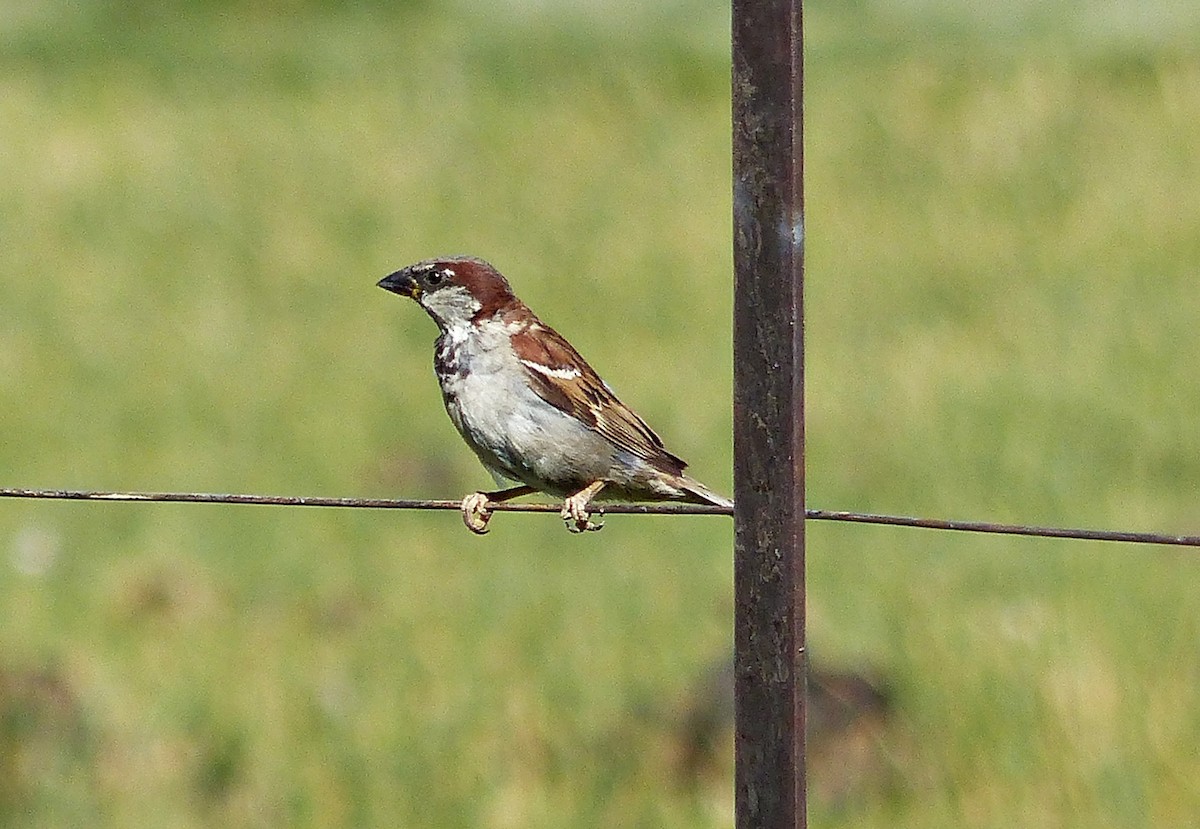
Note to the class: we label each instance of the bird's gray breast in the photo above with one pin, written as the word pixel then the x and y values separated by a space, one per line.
pixel 510 428
pixel 481 384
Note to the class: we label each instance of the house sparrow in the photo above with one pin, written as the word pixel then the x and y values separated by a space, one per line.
pixel 529 406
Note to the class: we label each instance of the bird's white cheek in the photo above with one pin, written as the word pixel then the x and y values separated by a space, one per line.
pixel 450 305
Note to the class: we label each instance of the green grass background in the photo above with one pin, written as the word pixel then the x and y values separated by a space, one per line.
pixel 1003 303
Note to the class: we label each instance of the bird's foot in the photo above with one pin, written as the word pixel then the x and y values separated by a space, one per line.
pixel 477 507
pixel 575 510
pixel 476 512
pixel 579 519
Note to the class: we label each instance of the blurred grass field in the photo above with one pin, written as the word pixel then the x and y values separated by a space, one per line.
pixel 1003 323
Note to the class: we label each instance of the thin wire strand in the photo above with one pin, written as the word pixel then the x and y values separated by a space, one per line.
pixel 1005 529
pixel 367 503
pixel 609 509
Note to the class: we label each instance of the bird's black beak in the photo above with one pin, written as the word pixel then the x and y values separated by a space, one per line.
pixel 401 282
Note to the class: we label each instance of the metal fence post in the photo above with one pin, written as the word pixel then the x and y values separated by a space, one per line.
pixel 768 213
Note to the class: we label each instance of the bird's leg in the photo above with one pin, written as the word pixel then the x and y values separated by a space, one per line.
pixel 575 509
pixel 477 510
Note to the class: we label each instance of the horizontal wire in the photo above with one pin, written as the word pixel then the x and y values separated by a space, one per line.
pixel 1005 529
pixel 366 503
pixel 609 509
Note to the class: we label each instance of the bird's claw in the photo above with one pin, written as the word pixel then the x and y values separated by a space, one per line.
pixel 476 512
pixel 578 519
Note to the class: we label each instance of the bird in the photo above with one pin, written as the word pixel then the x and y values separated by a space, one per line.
pixel 530 407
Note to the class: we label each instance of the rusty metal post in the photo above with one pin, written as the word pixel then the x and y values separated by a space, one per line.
pixel 768 213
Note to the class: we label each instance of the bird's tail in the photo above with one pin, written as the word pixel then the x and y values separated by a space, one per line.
pixel 695 492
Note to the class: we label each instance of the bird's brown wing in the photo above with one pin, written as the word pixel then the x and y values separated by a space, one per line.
pixel 562 378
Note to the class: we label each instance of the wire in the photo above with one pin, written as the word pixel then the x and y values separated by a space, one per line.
pixel 367 503
pixel 610 509
pixel 1006 529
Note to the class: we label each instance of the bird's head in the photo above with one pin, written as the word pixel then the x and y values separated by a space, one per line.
pixel 454 290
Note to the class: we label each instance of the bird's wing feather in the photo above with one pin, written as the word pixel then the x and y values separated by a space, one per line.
pixel 561 377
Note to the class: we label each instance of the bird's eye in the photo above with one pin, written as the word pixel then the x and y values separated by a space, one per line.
pixel 434 278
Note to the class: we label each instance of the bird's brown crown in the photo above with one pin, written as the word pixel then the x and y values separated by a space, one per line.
pixel 486 284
